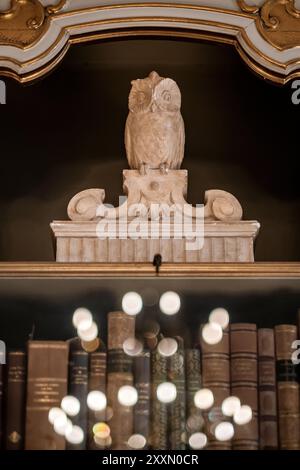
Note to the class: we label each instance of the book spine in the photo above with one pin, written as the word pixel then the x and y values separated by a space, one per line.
pixel 216 377
pixel 78 387
pixel 287 388
pixel 142 379
pixel 195 421
pixel 97 381
pixel 1 402
pixel 159 412
pixel 268 429
pixel 177 419
pixel 47 379
pixel 120 328
pixel 244 381
pixel 15 400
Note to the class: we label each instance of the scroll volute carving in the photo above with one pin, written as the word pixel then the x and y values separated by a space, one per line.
pixel 25 22
pixel 278 21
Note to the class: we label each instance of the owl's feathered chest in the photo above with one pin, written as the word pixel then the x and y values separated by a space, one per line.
pixel 153 123
pixel 153 136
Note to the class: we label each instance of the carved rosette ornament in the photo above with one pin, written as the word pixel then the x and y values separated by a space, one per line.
pixel 25 22
pixel 278 21
pixel 153 215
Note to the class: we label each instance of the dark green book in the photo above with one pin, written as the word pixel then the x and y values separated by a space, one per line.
pixel 78 387
pixel 142 380
pixel 194 418
pixel 97 381
pixel 159 414
pixel 177 417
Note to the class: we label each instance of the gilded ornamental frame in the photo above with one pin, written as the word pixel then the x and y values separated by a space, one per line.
pixel 36 34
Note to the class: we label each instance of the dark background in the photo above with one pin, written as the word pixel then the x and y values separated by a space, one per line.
pixel 65 134
pixel 49 304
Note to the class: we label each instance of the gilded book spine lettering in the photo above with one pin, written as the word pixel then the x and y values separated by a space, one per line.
pixel 268 429
pixel 159 413
pixel 142 380
pixel 194 416
pixel 216 377
pixel 287 387
pixel 78 387
pixel 47 384
pixel 15 400
pixel 120 328
pixel 177 421
pixel 97 381
pixel 244 381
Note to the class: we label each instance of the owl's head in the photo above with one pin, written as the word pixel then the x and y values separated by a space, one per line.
pixel 154 94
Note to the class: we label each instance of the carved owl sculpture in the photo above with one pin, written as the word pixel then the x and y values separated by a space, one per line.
pixel 154 134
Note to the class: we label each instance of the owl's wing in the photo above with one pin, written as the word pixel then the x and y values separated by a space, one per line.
pixel 179 155
pixel 128 143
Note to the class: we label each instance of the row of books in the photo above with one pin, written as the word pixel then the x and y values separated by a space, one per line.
pixel 252 364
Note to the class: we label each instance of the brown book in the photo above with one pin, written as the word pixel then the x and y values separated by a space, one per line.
pixel 15 400
pixel 47 379
pixel 119 373
pixel 268 430
pixel 244 381
pixel 97 381
pixel 287 387
pixel 216 377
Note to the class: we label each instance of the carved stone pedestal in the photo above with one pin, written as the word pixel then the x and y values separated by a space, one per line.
pixel 155 218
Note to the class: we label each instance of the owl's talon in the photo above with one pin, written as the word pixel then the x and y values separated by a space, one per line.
pixel 164 168
pixel 144 169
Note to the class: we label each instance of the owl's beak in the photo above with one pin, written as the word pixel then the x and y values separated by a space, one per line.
pixel 153 107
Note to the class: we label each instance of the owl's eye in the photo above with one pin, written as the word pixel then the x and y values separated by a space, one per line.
pixel 167 96
pixel 141 97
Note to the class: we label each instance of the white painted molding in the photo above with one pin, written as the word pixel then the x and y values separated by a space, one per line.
pixel 223 18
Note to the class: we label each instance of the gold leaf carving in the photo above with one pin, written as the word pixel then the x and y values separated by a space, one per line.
pixel 56 8
pixel 278 21
pixel 25 22
pixel 247 8
pixel 22 24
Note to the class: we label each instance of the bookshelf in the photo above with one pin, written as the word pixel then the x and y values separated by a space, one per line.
pixel 201 45
pixel 47 293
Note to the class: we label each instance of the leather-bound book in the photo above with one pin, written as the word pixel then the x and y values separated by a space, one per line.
pixel 268 429
pixel 47 384
pixel 244 381
pixel 194 416
pixel 78 387
pixel 142 380
pixel 177 419
pixel 97 381
pixel 159 411
pixel 15 400
pixel 120 328
pixel 1 402
pixel 216 377
pixel 287 387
